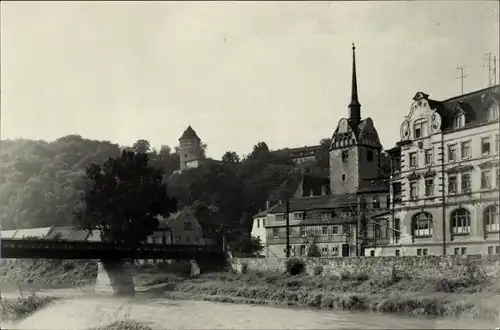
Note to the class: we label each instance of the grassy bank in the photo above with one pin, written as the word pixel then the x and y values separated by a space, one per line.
pixel 49 272
pixel 467 296
pixel 16 309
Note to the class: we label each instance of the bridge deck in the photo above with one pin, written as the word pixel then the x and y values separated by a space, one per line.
pixel 52 249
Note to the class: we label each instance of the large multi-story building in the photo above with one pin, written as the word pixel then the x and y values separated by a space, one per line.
pixel 358 181
pixel 445 179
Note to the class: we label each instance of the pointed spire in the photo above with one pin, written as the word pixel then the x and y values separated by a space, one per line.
pixel 354 106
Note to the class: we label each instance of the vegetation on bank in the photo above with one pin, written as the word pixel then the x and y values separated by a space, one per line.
pixel 49 272
pixel 123 325
pixel 397 293
pixel 16 309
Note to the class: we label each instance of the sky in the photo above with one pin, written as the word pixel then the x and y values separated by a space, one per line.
pixel 237 72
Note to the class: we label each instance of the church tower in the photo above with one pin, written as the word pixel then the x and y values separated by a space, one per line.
pixel 190 150
pixel 355 150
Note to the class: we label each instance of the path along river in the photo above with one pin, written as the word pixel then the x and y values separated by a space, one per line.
pixel 80 310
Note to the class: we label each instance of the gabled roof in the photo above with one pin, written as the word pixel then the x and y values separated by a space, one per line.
pixel 375 185
pixel 316 203
pixel 265 212
pixel 188 134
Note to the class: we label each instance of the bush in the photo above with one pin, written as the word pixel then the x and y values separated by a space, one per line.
pixel 318 270
pixel 295 266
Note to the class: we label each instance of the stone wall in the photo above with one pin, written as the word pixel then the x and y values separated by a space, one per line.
pixel 428 267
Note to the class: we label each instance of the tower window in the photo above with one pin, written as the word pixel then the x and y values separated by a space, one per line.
pixel 369 156
pixel 343 177
pixel 185 155
pixel 345 156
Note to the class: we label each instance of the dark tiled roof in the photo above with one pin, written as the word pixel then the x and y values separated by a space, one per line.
pixel 375 185
pixel 189 133
pixel 315 203
pixel 264 213
pixel 474 104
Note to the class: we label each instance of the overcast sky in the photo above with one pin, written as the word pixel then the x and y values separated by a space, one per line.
pixel 237 72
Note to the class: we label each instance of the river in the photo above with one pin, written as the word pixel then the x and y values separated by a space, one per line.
pixel 81 310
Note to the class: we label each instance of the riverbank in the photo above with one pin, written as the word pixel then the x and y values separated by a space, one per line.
pixel 17 309
pixel 470 297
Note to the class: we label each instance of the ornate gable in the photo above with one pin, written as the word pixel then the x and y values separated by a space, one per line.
pixel 420 113
pixel 344 135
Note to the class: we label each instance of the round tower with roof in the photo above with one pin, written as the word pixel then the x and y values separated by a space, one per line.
pixel 190 150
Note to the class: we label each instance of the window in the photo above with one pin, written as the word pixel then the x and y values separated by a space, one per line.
pixel 460 221
pixel 428 156
pixel 413 190
pixel 369 155
pixel 298 216
pixel 465 150
pixel 452 184
pixel 276 232
pixel 419 252
pixel 335 250
pixel 397 253
pixel 413 159
pixel 459 120
pixel 302 231
pixel 397 228
pixel 343 177
pixel 497 143
pixel 263 222
pixel 335 230
pixel 326 216
pixel 493 112
pixel 452 152
pixel 381 228
pixel 258 223
pixel 429 187
pixel 418 130
pixel 376 203
pixel 324 230
pixel 178 240
pixel 485 146
pixel 324 249
pixel 491 219
pixel 456 251
pixel 345 156
pixel 425 252
pixel 422 224
pixel 372 253
pixel 485 179
pixel 188 226
pixel 463 251
pixel 279 217
pixel 466 182
pixel 490 249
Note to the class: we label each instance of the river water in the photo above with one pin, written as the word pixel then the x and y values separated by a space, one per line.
pixel 82 310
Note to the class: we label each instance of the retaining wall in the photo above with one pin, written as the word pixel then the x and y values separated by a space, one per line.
pixel 416 266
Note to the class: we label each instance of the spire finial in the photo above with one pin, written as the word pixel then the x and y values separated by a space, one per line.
pixel 354 106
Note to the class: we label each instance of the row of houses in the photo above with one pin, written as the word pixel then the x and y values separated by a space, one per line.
pixel 435 193
pixel 181 227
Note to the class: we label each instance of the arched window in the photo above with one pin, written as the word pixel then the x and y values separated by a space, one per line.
pixel 422 224
pixel 493 112
pixel 460 221
pixel 491 218
pixel 459 120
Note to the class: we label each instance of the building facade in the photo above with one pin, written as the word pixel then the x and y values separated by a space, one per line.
pixel 181 227
pixel 445 179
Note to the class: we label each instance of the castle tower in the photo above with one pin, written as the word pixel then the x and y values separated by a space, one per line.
pixel 355 150
pixel 190 150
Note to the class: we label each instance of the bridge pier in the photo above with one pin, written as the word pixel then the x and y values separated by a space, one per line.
pixel 115 277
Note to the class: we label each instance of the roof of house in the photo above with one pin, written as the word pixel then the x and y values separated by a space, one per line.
pixel 68 233
pixel 189 133
pixel 316 202
pixel 33 232
pixel 374 185
pixel 9 233
pixel 264 213
pixel 474 105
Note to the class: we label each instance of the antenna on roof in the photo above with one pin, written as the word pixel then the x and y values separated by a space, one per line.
pixel 488 54
pixel 460 68
pixel 492 69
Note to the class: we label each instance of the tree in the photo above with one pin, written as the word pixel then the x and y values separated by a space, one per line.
pixel 248 245
pixel 230 157
pixel 259 150
pixel 123 199
pixel 142 146
pixel 323 156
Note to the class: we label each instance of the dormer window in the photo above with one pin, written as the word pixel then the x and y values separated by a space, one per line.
pixel 493 112
pixel 459 120
pixel 419 129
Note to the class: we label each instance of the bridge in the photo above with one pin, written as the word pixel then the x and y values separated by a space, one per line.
pixel 113 273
